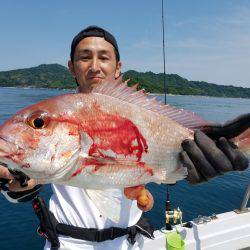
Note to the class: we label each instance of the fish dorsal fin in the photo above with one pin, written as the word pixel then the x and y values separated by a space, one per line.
pixel 119 89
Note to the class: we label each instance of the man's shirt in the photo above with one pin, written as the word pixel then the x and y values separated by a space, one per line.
pixel 72 206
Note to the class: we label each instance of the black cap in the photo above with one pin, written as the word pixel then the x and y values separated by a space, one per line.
pixel 96 32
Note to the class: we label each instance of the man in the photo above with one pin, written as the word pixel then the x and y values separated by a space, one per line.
pixel 94 57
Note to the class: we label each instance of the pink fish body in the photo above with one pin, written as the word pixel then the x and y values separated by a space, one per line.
pixel 112 137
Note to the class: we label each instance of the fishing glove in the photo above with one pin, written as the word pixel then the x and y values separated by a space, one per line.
pixel 211 153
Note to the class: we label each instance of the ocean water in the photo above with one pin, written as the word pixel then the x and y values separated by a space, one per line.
pixel 18 223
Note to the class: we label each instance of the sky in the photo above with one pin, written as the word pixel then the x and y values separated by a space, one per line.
pixel 206 40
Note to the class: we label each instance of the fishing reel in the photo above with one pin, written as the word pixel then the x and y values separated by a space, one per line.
pixel 173 217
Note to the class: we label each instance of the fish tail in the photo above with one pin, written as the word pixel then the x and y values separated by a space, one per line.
pixel 238 130
pixel 243 142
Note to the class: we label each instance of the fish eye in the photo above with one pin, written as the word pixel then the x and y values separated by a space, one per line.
pixel 38 120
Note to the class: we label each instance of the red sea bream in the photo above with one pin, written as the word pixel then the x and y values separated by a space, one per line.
pixel 113 137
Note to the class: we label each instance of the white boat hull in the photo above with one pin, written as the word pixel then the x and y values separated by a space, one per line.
pixel 229 231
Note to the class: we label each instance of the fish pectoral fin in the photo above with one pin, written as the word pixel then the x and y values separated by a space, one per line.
pixel 108 164
pixel 107 204
pixel 178 174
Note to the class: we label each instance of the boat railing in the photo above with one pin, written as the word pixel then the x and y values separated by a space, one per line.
pixel 245 199
pixel 243 208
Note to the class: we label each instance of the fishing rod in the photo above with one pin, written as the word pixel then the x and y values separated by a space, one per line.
pixel 171 216
pixel 168 204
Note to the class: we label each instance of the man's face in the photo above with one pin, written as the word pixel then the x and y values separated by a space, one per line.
pixel 94 60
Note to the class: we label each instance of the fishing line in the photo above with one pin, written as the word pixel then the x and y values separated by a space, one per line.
pixel 163 52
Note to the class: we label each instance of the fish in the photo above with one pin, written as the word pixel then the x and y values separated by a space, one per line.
pixel 113 137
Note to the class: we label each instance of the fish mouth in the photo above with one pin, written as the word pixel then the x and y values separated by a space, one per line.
pixel 9 150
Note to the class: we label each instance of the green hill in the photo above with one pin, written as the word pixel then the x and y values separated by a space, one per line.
pixel 58 76
pixel 42 76
pixel 177 85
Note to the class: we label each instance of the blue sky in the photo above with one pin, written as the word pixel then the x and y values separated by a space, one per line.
pixel 205 39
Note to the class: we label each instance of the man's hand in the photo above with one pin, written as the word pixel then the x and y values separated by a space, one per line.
pixel 13 191
pixel 145 200
pixel 5 174
pixel 206 158
pixel 15 186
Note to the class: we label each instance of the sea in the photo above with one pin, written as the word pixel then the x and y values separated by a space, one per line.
pixel 18 222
